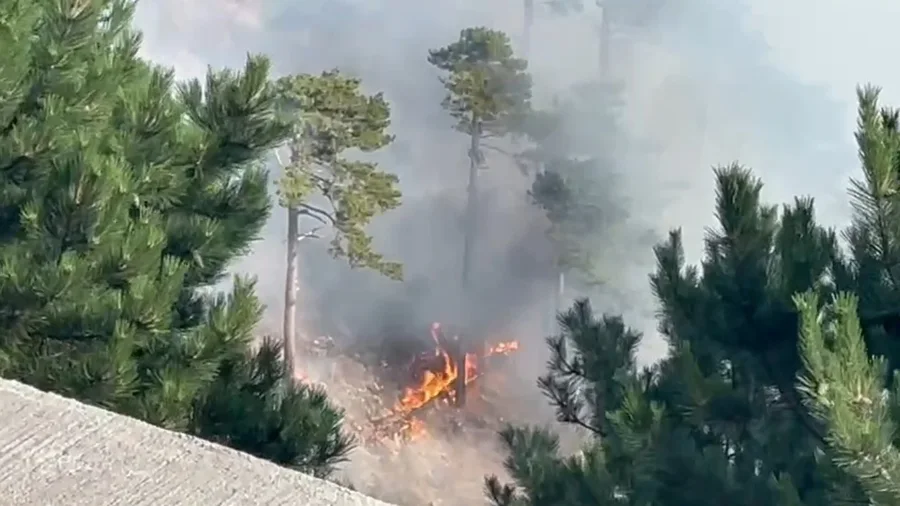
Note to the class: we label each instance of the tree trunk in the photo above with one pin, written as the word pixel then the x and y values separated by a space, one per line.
pixel 290 295
pixel 458 352
pixel 560 289
pixel 556 308
pixel 467 342
pixel 526 28
pixel 470 227
pixel 603 34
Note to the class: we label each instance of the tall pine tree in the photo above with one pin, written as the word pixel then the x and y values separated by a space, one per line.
pixel 488 95
pixel 122 198
pixel 330 116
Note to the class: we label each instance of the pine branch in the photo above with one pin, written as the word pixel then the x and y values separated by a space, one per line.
pixel 499 495
pixel 845 390
pixel 318 214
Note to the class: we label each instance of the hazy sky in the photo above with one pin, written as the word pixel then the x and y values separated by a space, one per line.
pixel 835 44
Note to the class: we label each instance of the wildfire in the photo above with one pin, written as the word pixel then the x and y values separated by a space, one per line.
pixel 432 385
pixel 436 379
pixel 441 377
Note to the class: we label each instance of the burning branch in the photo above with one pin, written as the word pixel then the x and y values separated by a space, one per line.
pixel 439 377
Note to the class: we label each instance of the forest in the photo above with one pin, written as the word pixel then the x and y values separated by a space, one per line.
pixel 127 194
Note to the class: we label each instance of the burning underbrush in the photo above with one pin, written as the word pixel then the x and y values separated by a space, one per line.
pixel 426 422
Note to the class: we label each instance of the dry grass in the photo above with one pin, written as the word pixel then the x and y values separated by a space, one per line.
pixel 445 466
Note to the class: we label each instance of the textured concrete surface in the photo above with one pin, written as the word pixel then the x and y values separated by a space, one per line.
pixel 58 452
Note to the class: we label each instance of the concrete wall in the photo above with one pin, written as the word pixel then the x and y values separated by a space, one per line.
pixel 58 452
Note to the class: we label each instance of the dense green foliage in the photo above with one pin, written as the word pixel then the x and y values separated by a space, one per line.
pixel 122 197
pixel 723 419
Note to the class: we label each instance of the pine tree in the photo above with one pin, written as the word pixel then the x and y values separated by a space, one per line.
pixel 251 408
pixel 621 15
pixel 848 345
pixel 615 15
pixel 650 448
pixel 329 115
pixel 488 94
pixel 122 199
pixel 576 177
pixel 721 420
pixel 576 181
pixel 718 421
pixel 579 210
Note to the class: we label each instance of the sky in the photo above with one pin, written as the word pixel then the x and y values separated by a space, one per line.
pixel 767 83
pixel 835 45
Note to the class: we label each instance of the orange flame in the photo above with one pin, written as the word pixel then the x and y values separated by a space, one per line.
pixel 440 380
pixel 433 384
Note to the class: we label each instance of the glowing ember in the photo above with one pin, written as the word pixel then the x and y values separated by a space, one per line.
pixel 504 348
pixel 416 429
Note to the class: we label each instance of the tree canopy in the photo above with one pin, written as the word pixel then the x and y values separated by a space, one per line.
pixel 123 197
pixel 577 178
pixel 330 115
pixel 488 88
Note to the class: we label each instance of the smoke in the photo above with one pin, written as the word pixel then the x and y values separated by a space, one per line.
pixel 707 83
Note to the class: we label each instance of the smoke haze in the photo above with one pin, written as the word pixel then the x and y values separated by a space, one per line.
pixel 707 83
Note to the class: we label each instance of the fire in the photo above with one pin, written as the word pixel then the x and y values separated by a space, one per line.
pixel 432 385
pixel 440 379
pixel 504 348
pixel 436 379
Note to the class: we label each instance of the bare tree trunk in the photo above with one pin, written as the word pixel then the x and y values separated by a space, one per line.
pixel 603 34
pixel 466 342
pixel 291 280
pixel 526 28
pixel 560 289
pixel 470 227
pixel 459 356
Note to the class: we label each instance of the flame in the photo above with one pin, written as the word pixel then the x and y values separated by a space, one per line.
pixel 437 380
pixel 432 385
pixel 440 380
